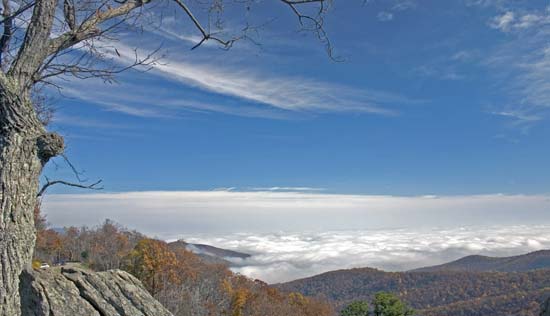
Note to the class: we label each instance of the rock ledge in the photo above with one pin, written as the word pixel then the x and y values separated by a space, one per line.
pixel 76 291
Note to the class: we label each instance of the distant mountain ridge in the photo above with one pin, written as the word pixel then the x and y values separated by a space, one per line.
pixel 471 286
pixel 440 293
pixel 210 254
pixel 476 263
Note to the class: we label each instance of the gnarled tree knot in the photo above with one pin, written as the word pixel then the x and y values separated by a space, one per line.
pixel 49 145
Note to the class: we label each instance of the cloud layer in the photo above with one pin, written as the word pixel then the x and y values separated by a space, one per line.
pixel 282 257
pixel 168 214
pixel 321 232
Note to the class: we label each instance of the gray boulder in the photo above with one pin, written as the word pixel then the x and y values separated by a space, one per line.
pixel 75 291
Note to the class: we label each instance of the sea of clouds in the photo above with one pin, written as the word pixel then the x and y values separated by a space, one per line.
pixel 319 232
pixel 163 214
pixel 281 257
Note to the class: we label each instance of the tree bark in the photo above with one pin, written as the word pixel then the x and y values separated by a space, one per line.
pixel 25 148
pixel 34 49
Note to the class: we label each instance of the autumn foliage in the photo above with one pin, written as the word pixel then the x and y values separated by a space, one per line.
pixel 179 279
pixel 154 264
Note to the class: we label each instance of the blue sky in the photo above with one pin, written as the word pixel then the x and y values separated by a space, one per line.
pixel 427 142
pixel 432 97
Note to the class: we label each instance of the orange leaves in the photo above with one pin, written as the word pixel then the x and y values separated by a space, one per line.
pixel 188 264
pixel 49 241
pixel 251 298
pixel 179 279
pixel 154 264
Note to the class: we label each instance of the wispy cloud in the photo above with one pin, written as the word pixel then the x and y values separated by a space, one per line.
pixel 439 70
pixel 226 189
pixel 523 65
pixel 394 8
pixel 146 100
pixel 520 118
pixel 461 55
pixel 73 120
pixel 385 16
pixel 403 5
pixel 249 91
pixel 286 93
pixel 503 22
pixel 290 189
pixel 499 4
pixel 121 98
pixel 231 108
pixel 512 21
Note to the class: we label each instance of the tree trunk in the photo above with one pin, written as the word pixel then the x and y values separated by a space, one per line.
pixel 25 148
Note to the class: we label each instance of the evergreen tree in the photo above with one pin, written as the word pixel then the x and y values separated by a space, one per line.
pixel 357 308
pixel 387 304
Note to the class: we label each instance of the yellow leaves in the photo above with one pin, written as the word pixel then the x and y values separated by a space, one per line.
pixel 227 287
pixel 36 264
pixel 154 264
pixel 298 299
pixel 240 298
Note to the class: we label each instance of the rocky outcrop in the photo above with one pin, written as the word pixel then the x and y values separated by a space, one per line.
pixel 75 291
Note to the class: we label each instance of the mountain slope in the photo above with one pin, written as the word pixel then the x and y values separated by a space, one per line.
pixel 209 254
pixel 446 293
pixel 531 261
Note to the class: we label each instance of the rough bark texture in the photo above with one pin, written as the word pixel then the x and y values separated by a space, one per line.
pixel 79 292
pixel 24 149
pixel 18 181
pixel 34 49
pixel 545 308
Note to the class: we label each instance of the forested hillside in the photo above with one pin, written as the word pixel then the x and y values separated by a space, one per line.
pixel 189 285
pixel 531 261
pixel 436 293
pixel 183 282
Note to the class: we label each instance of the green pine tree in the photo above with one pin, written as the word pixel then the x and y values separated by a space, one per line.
pixel 387 304
pixel 357 308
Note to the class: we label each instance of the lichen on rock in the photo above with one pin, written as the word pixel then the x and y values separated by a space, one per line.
pixel 76 291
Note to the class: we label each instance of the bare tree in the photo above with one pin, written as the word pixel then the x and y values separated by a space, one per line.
pixel 43 39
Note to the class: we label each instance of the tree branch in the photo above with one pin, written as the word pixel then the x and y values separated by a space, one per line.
pixel 90 27
pixel 38 56
pixel 19 11
pixel 318 22
pixel 8 31
pixel 33 50
pixel 69 13
pixel 93 186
